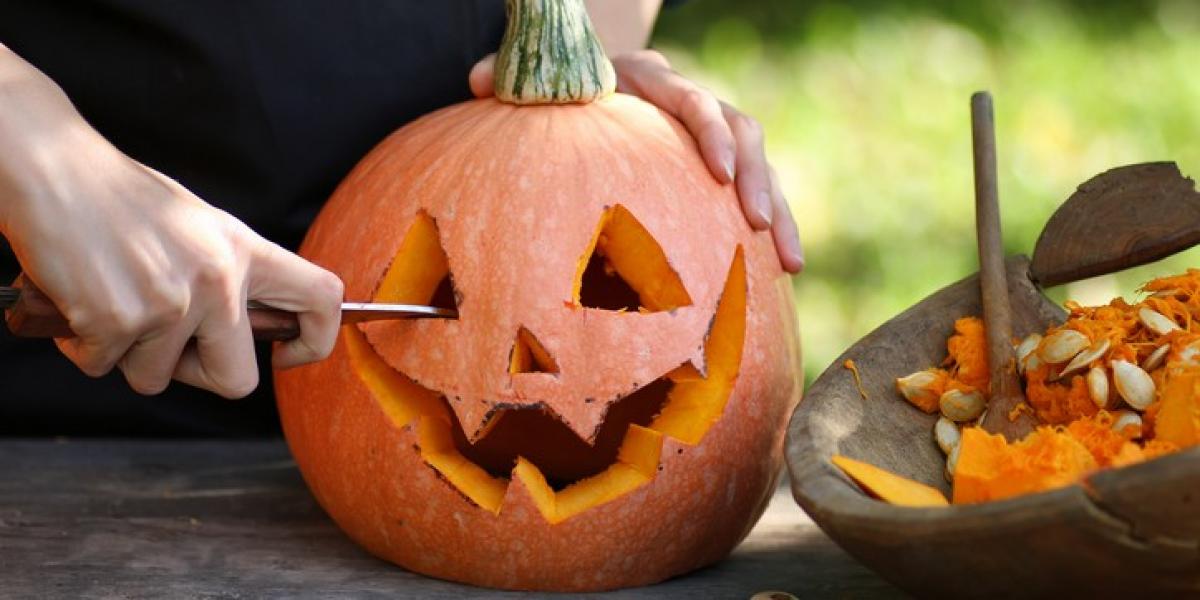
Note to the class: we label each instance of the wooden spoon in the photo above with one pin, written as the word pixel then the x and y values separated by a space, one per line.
pixel 1119 219
pixel 1005 394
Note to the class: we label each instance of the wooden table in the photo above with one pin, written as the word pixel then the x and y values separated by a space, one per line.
pixel 232 519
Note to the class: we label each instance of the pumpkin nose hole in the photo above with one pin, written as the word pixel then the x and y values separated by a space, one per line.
pixel 420 271
pixel 624 269
pixel 528 355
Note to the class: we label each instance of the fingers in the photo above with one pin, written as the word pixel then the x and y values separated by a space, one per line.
pixel 783 229
pixel 222 358
pixel 94 356
pixel 481 77
pixel 105 334
pixel 151 362
pixel 753 173
pixel 696 107
pixel 731 144
pixel 286 281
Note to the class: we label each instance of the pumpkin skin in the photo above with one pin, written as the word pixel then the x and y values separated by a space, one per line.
pixel 517 193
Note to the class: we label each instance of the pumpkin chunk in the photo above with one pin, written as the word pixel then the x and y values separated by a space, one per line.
pixel 1178 418
pixel 420 271
pixel 528 355
pixel 624 268
pixel 989 468
pixel 889 486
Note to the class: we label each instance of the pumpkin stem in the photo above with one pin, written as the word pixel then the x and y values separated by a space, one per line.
pixel 550 55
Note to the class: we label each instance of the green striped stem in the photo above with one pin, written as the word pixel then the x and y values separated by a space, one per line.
pixel 550 55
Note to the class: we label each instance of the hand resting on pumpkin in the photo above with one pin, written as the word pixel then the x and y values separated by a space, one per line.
pixel 152 279
pixel 730 141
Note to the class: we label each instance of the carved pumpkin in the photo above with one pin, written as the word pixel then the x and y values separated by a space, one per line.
pixel 608 408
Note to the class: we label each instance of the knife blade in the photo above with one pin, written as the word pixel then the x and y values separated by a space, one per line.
pixel 31 314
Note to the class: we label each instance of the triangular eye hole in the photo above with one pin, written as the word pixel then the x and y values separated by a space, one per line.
pixel 420 271
pixel 529 355
pixel 625 269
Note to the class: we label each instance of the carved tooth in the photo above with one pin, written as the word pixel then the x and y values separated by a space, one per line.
pixel 1085 358
pixel 1156 321
pixel 1025 350
pixel 1097 382
pixel 1127 418
pixel 1133 384
pixel 961 406
pixel 946 433
pixel 1062 345
pixel 1155 360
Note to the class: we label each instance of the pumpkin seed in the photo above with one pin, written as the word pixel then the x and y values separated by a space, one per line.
pixel 1025 350
pixel 916 386
pixel 1062 345
pixel 773 595
pixel 1097 382
pixel 1190 355
pixel 946 433
pixel 1127 418
pixel 1155 360
pixel 960 406
pixel 1032 362
pixel 1134 384
pixel 1085 358
pixel 951 464
pixel 1167 293
pixel 1156 321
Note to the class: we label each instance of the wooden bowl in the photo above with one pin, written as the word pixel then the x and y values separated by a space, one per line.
pixel 1133 531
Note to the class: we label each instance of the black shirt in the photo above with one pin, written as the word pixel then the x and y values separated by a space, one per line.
pixel 260 107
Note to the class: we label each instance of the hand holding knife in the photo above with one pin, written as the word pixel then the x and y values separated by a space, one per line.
pixel 29 313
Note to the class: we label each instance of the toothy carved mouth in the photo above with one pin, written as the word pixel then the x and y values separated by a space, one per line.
pixel 533 445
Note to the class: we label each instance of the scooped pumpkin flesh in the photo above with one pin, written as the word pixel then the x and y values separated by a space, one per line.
pixel 888 486
pixel 1114 385
pixel 693 404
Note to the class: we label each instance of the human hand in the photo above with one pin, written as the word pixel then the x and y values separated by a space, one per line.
pixel 151 279
pixel 731 142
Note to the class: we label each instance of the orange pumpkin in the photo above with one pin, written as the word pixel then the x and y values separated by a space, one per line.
pixel 608 408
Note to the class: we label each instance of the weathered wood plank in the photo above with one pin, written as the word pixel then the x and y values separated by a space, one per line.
pixel 232 519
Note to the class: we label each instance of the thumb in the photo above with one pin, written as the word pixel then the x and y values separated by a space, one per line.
pixel 285 281
pixel 481 76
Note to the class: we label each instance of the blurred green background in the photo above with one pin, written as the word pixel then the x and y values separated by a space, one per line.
pixel 865 105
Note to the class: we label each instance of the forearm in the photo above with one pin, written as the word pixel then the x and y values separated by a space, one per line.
pixel 623 25
pixel 38 125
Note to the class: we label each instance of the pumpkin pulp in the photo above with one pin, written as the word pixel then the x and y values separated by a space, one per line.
pixel 693 403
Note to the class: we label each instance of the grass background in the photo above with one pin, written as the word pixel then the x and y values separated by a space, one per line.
pixel 865 105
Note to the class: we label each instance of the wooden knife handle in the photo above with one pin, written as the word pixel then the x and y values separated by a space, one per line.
pixel 35 315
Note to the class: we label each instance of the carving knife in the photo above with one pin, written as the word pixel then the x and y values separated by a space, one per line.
pixel 29 313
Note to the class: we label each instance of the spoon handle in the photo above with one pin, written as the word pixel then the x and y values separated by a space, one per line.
pixel 997 311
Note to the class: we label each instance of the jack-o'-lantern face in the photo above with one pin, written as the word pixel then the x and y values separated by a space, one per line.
pixel 531 396
pixel 608 408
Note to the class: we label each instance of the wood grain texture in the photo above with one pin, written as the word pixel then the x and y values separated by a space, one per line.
pixel 1134 532
pixel 1005 393
pixel 232 519
pixel 1122 218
